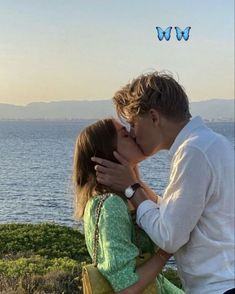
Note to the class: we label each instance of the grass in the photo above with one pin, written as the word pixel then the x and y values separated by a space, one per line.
pixel 44 258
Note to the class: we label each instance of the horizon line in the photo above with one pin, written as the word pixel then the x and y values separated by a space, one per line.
pixel 97 100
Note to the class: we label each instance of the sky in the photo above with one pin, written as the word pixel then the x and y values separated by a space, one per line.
pixel 52 50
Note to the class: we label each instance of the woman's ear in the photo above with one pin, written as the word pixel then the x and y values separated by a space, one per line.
pixel 155 116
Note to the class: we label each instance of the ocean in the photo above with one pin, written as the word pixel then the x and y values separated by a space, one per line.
pixel 36 167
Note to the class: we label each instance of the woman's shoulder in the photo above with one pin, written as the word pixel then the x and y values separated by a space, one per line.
pixel 113 203
pixel 114 200
pixel 111 199
pixel 113 207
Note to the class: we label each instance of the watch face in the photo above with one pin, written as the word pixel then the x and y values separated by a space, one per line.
pixel 129 192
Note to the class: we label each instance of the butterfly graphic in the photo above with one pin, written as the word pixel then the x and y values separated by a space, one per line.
pixel 184 34
pixel 164 34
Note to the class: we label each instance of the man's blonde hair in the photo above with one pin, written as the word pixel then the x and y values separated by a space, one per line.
pixel 155 90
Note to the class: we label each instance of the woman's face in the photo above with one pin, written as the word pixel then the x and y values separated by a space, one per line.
pixel 126 145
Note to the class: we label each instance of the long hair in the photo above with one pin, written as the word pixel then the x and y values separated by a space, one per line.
pixel 98 139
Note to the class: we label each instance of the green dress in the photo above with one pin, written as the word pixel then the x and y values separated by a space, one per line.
pixel 117 249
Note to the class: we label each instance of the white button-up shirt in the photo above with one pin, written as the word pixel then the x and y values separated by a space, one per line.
pixel 195 219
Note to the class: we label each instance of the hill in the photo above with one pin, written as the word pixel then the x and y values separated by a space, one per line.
pixel 212 110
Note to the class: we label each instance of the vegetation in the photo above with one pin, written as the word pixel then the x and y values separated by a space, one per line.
pixel 44 258
pixel 48 240
pixel 172 276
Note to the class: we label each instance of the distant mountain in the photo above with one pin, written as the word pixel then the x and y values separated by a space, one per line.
pixel 58 110
pixel 216 109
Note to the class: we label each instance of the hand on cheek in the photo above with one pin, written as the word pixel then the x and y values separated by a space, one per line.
pixel 114 175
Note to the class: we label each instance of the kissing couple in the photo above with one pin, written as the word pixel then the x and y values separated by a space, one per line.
pixel 194 220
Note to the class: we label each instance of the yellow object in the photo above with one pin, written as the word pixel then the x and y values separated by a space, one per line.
pixel 94 282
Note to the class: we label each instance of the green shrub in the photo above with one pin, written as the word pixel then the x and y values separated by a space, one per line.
pixel 45 258
pixel 36 273
pixel 42 258
pixel 54 282
pixel 53 241
pixel 172 276
pixel 37 265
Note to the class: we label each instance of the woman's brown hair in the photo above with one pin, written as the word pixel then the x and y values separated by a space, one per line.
pixel 98 139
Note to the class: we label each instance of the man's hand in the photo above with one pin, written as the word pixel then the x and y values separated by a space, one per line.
pixel 114 175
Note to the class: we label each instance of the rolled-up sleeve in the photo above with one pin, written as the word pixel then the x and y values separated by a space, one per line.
pixel 169 224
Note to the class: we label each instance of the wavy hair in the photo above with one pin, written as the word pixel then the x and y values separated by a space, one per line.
pixel 155 90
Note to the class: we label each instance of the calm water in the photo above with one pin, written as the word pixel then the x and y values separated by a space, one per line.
pixel 36 167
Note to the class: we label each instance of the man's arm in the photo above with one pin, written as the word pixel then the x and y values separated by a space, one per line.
pixel 119 176
pixel 170 224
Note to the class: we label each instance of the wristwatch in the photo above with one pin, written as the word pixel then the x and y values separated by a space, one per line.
pixel 130 191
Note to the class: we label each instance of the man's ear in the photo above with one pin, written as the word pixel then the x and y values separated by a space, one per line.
pixel 154 115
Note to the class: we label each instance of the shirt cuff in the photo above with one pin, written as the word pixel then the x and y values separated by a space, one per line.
pixel 144 207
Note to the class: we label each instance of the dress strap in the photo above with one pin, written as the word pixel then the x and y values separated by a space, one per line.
pixel 96 233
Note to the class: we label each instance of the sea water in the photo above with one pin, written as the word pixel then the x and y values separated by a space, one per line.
pixel 36 168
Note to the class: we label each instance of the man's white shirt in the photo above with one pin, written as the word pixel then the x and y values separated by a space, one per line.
pixel 195 219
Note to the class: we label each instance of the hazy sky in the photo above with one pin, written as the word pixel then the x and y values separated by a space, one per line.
pixel 69 50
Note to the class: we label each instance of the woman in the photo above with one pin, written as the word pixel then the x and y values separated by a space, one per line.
pixel 120 241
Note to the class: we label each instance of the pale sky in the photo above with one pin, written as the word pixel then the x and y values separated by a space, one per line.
pixel 53 50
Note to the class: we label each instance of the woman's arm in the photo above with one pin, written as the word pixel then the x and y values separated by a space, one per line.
pixel 117 261
pixel 148 272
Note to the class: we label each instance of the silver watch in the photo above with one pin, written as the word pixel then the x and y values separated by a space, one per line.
pixel 130 191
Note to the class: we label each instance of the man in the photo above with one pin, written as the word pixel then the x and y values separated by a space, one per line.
pixel 195 218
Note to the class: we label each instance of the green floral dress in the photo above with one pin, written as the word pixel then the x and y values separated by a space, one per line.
pixel 117 249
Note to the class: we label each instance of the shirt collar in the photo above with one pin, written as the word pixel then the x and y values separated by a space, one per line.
pixel 193 124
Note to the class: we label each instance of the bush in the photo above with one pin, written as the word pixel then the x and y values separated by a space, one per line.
pixel 37 265
pixel 52 282
pixel 44 258
pixel 49 240
pixel 37 274
pixel 172 276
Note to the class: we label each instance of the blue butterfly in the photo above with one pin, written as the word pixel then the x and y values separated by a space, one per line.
pixel 184 34
pixel 164 34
